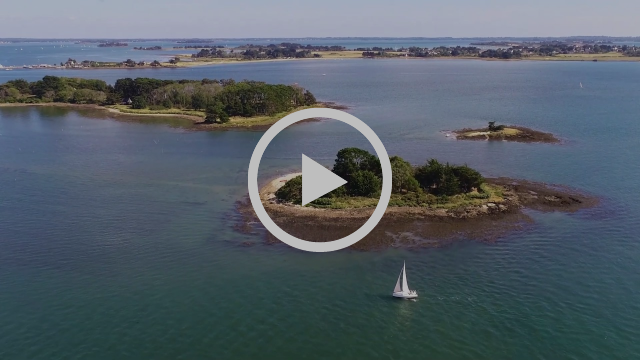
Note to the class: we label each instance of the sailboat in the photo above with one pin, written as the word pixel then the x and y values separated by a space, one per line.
pixel 580 85
pixel 402 288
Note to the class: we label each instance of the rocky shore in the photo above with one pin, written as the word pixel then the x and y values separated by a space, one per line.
pixel 509 133
pixel 419 226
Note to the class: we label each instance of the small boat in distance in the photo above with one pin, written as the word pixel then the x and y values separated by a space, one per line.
pixel 580 85
pixel 402 288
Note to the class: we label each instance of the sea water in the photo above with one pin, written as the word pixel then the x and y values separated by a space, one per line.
pixel 117 239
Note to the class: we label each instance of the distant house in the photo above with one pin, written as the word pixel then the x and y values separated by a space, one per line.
pixel 127 102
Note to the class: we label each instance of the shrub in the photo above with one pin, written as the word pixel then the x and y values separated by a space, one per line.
pixel 139 102
pixel 215 114
pixel 402 174
pixel 337 192
pixel 468 178
pixel 88 96
pixel 493 127
pixel 291 191
pixel 167 103
pixel 364 183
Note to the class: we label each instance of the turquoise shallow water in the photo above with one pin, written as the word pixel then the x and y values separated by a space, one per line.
pixel 117 240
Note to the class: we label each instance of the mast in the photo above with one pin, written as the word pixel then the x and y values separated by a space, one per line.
pixel 405 286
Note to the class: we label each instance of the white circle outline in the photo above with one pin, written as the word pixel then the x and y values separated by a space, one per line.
pixel 254 194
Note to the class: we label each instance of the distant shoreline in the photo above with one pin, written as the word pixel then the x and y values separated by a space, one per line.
pixel 339 55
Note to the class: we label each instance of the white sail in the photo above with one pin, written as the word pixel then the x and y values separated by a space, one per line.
pixel 405 286
pixel 402 288
pixel 398 288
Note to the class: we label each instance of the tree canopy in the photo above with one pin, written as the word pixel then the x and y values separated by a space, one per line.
pixel 363 173
pixel 220 98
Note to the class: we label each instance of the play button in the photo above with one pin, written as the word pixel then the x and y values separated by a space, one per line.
pixel 317 180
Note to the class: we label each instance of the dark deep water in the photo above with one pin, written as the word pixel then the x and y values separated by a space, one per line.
pixel 117 240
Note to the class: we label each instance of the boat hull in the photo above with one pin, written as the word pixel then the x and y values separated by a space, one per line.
pixel 401 295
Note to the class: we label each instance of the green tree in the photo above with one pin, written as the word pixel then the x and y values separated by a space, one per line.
pixel 9 94
pixel 468 178
pixel 309 99
pixel 430 175
pixel 198 101
pixel 64 95
pixel 113 99
pixel 21 85
pixel 139 102
pixel 493 127
pixel 449 183
pixel 364 183
pixel 47 87
pixel 88 96
pixel 402 175
pixel 215 114
pixel 350 160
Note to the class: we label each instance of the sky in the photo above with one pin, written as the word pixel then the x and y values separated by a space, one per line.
pixel 328 18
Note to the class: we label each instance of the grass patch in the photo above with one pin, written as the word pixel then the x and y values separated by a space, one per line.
pixel 234 121
pixel 128 110
pixel 486 194
pixel 347 202
pixel 239 121
pixel 506 132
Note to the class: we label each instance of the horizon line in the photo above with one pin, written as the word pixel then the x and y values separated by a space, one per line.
pixel 321 37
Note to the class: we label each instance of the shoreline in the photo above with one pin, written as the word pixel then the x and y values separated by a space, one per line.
pixel 418 227
pixel 191 122
pixel 223 61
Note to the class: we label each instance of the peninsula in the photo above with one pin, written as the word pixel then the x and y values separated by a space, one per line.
pixel 205 104
pixel 543 50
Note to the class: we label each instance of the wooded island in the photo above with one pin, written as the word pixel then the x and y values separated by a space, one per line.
pixel 430 204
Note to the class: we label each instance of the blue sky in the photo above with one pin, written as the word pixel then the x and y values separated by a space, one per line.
pixel 288 18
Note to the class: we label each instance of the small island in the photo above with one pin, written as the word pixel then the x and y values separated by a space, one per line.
pixel 430 205
pixel 206 104
pixel 495 132
pixel 157 47
pixel 113 44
